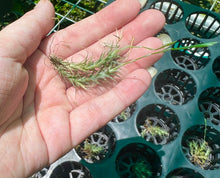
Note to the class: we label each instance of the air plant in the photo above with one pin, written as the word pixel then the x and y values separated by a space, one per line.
pixel 90 73
pixel 154 130
pixel 200 151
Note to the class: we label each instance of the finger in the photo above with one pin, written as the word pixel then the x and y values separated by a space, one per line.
pixel 21 38
pixel 145 25
pixel 144 55
pixel 84 33
pixel 95 113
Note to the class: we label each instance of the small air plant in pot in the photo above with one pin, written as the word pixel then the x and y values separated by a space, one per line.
pixel 153 130
pixel 97 146
pixel 90 151
pixel 200 151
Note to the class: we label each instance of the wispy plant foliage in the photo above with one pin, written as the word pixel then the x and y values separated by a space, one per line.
pixel 90 150
pixel 141 169
pixel 90 72
pixel 200 153
pixel 155 131
pixel 200 150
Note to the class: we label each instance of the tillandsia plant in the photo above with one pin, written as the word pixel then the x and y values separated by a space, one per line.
pixel 155 131
pixel 90 73
pixel 90 150
pixel 141 169
pixel 200 151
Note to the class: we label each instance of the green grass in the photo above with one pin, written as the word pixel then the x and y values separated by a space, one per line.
pixel 200 150
pixel 11 10
pixel 200 153
pixel 155 131
pixel 90 73
pixel 213 5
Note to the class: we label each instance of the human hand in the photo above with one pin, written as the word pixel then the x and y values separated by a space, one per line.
pixel 42 117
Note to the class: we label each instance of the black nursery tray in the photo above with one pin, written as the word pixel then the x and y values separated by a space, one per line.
pixel 183 101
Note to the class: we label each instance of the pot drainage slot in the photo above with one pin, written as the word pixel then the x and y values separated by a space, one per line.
pixel 171 10
pixel 203 25
pixel 209 104
pixel 216 68
pixel 158 124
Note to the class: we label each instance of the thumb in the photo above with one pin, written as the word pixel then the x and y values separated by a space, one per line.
pixel 19 39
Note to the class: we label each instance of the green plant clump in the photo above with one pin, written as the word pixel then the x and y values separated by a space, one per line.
pixel 154 131
pixel 90 150
pixel 141 169
pixel 200 153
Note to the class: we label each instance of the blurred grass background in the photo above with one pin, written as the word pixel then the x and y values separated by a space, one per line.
pixel 213 5
pixel 69 11
pixel 72 11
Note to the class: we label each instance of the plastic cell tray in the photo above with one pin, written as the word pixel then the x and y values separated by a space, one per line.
pixel 184 93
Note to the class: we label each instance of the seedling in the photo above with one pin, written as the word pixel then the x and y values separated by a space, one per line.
pixel 141 169
pixel 200 151
pixel 154 130
pixel 123 115
pixel 90 150
pixel 90 73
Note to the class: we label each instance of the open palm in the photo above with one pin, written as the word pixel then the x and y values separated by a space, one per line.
pixel 41 116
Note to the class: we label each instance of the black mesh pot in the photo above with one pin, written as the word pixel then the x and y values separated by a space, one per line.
pixel 175 86
pixel 70 169
pixel 209 104
pixel 205 151
pixel 98 146
pixel 158 124
pixel 138 160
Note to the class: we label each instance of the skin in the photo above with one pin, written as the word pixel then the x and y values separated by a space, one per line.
pixel 41 116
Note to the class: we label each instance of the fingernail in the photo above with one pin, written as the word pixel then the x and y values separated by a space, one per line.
pixel 152 71
pixel 143 2
pixel 165 38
